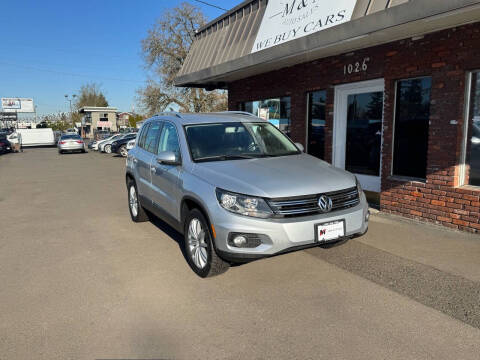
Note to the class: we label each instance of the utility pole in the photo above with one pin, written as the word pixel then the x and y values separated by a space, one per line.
pixel 69 99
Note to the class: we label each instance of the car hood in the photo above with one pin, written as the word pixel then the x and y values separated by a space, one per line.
pixel 273 177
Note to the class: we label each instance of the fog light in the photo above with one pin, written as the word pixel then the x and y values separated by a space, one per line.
pixel 367 216
pixel 246 240
pixel 240 241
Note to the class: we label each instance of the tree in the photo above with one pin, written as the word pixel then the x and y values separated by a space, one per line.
pixel 90 95
pixel 164 51
pixel 57 122
pixel 134 119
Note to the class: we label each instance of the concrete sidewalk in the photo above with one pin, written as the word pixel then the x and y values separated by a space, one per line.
pixel 448 250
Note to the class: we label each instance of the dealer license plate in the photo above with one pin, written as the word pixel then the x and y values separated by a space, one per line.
pixel 330 231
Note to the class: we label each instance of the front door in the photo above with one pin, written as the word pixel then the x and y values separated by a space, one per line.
pixel 165 178
pixel 358 128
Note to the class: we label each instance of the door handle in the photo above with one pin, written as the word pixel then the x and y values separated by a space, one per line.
pixel 135 160
pixel 153 169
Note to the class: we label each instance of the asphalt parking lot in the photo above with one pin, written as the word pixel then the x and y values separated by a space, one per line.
pixel 79 280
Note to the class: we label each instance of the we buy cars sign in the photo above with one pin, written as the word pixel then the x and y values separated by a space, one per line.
pixel 292 19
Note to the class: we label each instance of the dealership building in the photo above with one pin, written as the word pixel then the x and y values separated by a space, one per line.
pixel 386 89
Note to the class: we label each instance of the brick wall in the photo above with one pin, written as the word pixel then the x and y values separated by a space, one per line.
pixel 446 56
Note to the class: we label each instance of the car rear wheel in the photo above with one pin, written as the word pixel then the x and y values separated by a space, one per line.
pixel 123 151
pixel 198 246
pixel 108 149
pixel 137 212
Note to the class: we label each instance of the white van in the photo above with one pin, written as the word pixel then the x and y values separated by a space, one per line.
pixel 35 137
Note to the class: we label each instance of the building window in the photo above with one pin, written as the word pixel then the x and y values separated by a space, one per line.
pixel 316 123
pixel 104 117
pixel 472 160
pixel 276 111
pixel 412 113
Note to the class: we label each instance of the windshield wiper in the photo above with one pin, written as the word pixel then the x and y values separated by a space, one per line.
pixel 225 157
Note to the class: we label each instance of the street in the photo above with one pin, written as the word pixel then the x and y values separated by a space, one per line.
pixel 80 280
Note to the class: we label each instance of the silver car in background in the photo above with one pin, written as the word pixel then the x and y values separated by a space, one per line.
pixel 70 143
pixel 106 145
pixel 238 189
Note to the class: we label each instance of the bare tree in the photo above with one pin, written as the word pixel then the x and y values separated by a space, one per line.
pixel 165 50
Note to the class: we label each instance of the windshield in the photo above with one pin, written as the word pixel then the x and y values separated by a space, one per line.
pixel 236 140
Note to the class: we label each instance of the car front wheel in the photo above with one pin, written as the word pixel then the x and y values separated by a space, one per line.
pixel 198 246
pixel 108 149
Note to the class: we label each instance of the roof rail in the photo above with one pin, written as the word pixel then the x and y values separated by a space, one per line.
pixel 236 112
pixel 170 113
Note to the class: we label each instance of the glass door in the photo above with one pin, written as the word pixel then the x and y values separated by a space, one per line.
pixel 358 125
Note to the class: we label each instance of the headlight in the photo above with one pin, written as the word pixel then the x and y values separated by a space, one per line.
pixel 243 204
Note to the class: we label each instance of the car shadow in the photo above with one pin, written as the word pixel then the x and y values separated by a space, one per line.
pixel 169 231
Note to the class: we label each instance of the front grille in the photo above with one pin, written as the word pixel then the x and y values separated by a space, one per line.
pixel 308 205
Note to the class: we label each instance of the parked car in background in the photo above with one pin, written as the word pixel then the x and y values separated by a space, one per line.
pixel 5 145
pixel 36 137
pixel 108 141
pixel 249 193
pixel 71 131
pixel 70 143
pixel 120 146
pixel 107 145
pixel 91 144
pixel 131 144
pixel 56 135
pixel 102 134
pixel 100 143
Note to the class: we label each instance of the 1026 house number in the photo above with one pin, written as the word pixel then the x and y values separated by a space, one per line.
pixel 356 67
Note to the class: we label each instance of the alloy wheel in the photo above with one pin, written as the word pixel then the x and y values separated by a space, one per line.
pixel 123 151
pixel 108 149
pixel 133 201
pixel 197 246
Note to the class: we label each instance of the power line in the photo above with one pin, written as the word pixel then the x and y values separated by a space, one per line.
pixel 69 73
pixel 212 5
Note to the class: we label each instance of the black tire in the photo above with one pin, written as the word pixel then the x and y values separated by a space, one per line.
pixel 140 215
pixel 83 151
pixel 60 152
pixel 123 151
pixel 214 264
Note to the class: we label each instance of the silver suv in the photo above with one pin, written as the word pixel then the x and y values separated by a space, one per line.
pixel 238 189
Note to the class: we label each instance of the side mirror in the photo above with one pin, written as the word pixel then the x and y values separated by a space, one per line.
pixel 300 147
pixel 168 158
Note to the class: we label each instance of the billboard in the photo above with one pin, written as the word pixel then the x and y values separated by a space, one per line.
pixel 19 105
pixel 286 20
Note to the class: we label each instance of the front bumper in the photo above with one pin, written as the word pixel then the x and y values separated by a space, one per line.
pixel 283 235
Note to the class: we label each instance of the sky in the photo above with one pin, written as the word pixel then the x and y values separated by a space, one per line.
pixel 50 48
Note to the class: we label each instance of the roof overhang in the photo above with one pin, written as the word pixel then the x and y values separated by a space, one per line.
pixel 97 109
pixel 414 18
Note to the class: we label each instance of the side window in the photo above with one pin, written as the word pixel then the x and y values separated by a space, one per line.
pixel 169 139
pixel 141 136
pixel 151 139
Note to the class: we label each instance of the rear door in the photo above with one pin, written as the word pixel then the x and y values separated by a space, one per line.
pixel 166 178
pixel 143 159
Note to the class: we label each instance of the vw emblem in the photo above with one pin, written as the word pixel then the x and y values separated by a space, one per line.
pixel 325 203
